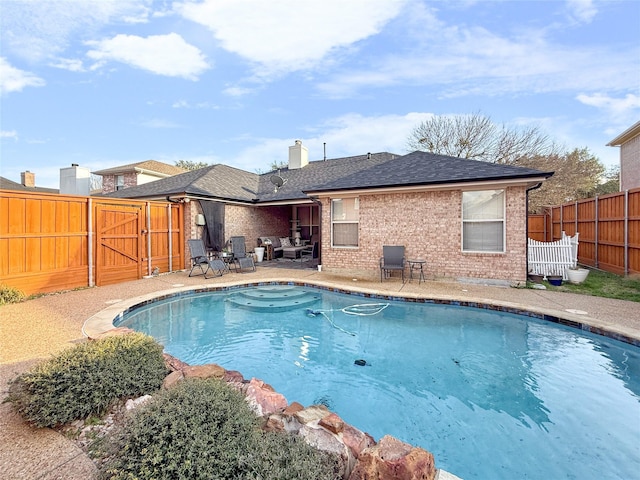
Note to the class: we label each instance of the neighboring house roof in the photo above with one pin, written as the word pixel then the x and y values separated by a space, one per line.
pixel 7 184
pixel 625 136
pixel 151 167
pixel 216 181
pixel 379 170
pixel 423 168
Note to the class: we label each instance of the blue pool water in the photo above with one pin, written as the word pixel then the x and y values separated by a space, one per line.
pixel 492 395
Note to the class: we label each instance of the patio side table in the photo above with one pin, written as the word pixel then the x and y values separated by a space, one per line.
pixel 417 265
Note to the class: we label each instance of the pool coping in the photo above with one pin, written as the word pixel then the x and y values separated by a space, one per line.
pixel 104 319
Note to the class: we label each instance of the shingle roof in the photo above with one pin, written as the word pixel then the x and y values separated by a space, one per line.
pixel 7 184
pixel 423 168
pixel 216 181
pixel 378 170
pixel 148 165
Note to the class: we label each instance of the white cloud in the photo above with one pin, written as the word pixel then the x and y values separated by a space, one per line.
pixel 194 106
pixel 582 11
pixel 73 65
pixel 618 112
pixel 14 80
pixel 347 135
pixel 9 134
pixel 473 60
pixel 289 35
pixel 167 55
pixel 160 123
pixel 42 29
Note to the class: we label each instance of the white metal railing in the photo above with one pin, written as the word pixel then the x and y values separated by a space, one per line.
pixel 553 258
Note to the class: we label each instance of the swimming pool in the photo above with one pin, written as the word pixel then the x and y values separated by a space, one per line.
pixel 491 394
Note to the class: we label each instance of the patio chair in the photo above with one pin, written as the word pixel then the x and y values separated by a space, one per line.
pixel 310 251
pixel 392 260
pixel 199 259
pixel 240 256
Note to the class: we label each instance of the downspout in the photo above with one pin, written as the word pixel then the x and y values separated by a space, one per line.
pixel 527 227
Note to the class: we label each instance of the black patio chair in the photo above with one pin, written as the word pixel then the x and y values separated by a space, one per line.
pixel 392 260
pixel 310 251
pixel 199 259
pixel 239 249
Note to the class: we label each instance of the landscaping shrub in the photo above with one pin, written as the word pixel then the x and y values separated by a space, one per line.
pixel 204 429
pixel 86 379
pixel 10 295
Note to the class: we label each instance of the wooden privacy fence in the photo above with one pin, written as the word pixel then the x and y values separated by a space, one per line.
pixel 52 242
pixel 609 228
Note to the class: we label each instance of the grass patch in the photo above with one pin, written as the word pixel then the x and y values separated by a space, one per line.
pixel 10 295
pixel 604 284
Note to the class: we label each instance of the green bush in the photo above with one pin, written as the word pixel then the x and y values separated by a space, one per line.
pixel 87 379
pixel 204 429
pixel 10 295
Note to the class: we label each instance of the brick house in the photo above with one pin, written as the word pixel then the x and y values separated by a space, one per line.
pixel 467 218
pixel 629 143
pixel 134 174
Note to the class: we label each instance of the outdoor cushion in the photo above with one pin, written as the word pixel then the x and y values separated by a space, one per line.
pixel 285 242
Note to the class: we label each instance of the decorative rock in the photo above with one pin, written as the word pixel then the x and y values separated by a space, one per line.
pixel 332 422
pixel 204 371
pixel 329 442
pixel 233 376
pixel 282 423
pixel 263 399
pixel 136 402
pixel 356 440
pixel 294 408
pixel 312 414
pixel 392 459
pixel 172 379
pixel 174 364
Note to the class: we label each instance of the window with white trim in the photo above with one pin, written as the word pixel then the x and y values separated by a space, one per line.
pixel 344 222
pixel 483 226
pixel 119 182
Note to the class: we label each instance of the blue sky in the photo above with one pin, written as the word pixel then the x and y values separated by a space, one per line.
pixel 104 83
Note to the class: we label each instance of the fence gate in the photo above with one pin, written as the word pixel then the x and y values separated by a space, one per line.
pixel 119 243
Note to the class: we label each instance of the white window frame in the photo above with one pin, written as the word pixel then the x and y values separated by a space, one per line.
pixel 119 182
pixel 355 221
pixel 478 221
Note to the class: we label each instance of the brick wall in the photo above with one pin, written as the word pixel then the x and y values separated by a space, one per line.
pixel 630 164
pixel 109 182
pixel 428 224
pixel 254 222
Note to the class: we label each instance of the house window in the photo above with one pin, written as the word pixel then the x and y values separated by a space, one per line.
pixel 344 222
pixel 483 221
pixel 119 182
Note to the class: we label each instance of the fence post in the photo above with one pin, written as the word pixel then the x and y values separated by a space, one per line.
pixel 626 232
pixel 170 225
pixel 597 224
pixel 149 266
pixel 90 255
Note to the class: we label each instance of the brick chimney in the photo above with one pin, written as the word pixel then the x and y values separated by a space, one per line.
pixel 28 179
pixel 298 156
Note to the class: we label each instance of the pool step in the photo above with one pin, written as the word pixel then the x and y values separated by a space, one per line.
pixel 274 299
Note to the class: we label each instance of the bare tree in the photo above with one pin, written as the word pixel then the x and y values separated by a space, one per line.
pixel 95 183
pixel 475 136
